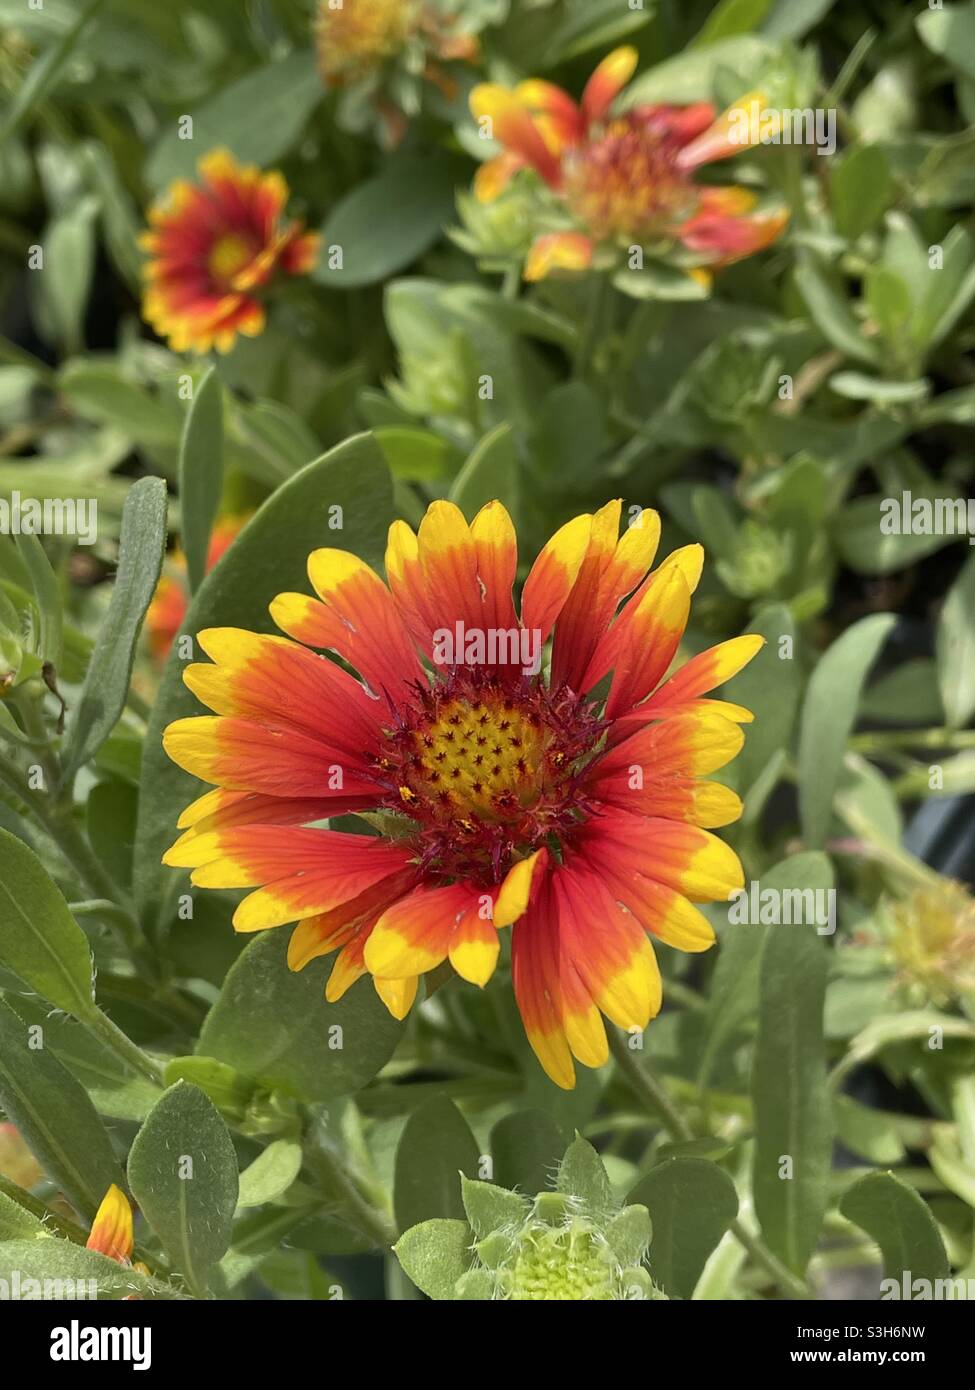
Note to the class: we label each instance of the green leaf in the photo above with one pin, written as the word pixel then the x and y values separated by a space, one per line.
pixel 527 1148
pixel 867 1132
pixel 791 19
pixel 769 686
pixel 955 648
pixel 828 715
pixel 581 1175
pixel 258 118
pixel 691 1203
pixel 791 1107
pixel 489 1207
pixel 63 1268
pixel 857 386
pixel 385 223
pixel 17 1223
pixel 414 455
pixel 47 592
pixel 274 1026
pixel 436 1146
pixel 201 474
pixel 65 282
pixel 734 995
pixel 832 314
pixel 39 939
pixel 888 298
pixel 111 812
pixel 271 1173
pixel 861 188
pixel 731 17
pixel 434 1255
pixel 45 71
pixel 950 32
pixel 893 1215
pixel 236 593
pixel 183 1174
pixel 141 546
pixel 690 76
pixel 489 471
pixel 55 1116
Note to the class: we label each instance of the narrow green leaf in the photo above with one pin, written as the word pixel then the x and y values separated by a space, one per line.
pixel 17 1223
pixel 183 1174
pixel 691 1203
pixel 201 474
pixel 489 471
pixel 892 1214
pixel 832 314
pixel 47 592
pixel 792 1115
pixel 39 939
pixel 436 1146
pixel 734 995
pixel 141 547
pixel 828 715
pixel 955 648
pixel 55 1116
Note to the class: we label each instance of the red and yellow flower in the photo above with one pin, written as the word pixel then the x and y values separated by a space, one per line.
pixel 512 797
pixel 625 179
pixel 213 246
pixel 172 597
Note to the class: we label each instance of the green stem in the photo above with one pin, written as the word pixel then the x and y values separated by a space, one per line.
pixel 336 1184
pixel 112 1036
pixel 880 741
pixel 649 1089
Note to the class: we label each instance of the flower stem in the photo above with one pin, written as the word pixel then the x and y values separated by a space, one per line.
pixel 122 1045
pixel 649 1090
pixel 338 1186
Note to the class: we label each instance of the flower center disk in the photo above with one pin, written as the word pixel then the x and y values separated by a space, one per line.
pixel 625 182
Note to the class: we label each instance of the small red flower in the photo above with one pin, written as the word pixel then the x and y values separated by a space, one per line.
pixel 213 245
pixel 625 179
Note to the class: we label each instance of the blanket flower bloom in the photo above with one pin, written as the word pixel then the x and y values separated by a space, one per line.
pixel 625 179
pixel 509 796
pixel 172 597
pixel 212 246
pixel 355 37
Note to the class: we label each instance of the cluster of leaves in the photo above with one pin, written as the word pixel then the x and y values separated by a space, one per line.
pixel 804 1099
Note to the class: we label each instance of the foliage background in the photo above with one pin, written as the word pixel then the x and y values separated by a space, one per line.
pixel 779 1041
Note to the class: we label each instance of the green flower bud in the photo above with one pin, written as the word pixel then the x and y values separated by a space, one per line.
pixel 575 1243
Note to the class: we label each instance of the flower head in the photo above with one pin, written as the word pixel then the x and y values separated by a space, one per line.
pixel 932 939
pixel 355 36
pixel 574 1244
pixel 171 599
pixel 566 802
pixel 624 179
pixel 213 245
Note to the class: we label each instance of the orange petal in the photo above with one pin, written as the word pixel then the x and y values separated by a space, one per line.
pixel 606 83
pixel 558 251
pixel 111 1231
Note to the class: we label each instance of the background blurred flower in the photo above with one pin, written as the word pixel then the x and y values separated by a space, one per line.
pixel 172 598
pixel 213 245
pixel 625 179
